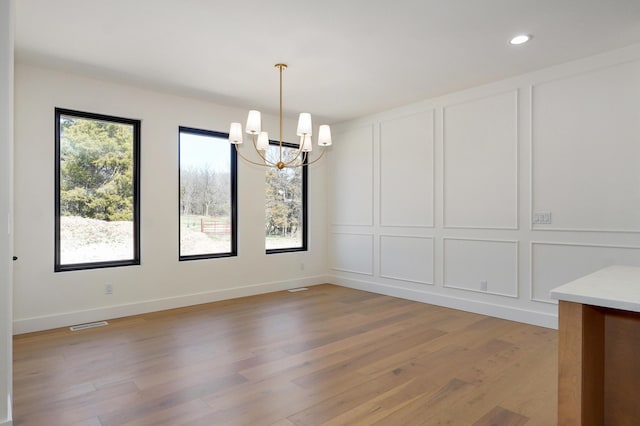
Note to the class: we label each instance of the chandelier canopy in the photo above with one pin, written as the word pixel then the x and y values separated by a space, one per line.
pixel 260 139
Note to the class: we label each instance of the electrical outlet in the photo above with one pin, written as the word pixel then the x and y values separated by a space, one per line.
pixel 483 285
pixel 542 218
pixel 302 266
pixel 108 288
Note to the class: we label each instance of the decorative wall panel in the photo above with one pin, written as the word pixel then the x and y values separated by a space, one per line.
pixel 481 163
pixel 585 150
pixel 407 258
pixel 406 171
pixel 352 253
pixel 351 177
pixel 555 264
pixel 488 266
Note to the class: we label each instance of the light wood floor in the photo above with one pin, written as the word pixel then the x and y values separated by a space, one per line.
pixel 329 355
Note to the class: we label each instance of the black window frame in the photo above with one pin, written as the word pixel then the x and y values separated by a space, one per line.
pixel 305 214
pixel 137 125
pixel 234 196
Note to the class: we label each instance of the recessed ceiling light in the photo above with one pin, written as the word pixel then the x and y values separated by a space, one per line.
pixel 520 39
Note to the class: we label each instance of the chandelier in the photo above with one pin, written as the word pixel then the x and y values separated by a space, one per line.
pixel 260 139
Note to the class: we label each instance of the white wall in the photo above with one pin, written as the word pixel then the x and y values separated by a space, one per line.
pixel 6 206
pixel 44 299
pixel 425 201
pixel 442 193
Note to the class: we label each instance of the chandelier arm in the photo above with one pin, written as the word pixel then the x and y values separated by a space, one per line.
pixel 298 152
pixel 316 160
pixel 264 164
pixel 264 157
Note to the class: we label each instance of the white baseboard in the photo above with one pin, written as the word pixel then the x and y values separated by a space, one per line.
pixel 500 311
pixel 28 325
pixel 8 421
pixel 47 322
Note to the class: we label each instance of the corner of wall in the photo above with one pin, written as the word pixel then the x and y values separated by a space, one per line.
pixel 9 419
pixel 480 218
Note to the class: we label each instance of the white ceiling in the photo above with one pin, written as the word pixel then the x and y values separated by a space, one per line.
pixel 347 58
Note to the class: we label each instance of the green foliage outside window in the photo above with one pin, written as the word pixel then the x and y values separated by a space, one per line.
pixel 284 204
pixel 97 185
pixel 96 169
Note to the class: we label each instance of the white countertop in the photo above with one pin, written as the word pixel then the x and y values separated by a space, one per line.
pixel 615 287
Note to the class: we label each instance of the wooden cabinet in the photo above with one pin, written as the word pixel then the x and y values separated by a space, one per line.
pixel 599 348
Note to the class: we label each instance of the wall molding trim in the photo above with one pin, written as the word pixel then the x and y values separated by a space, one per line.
pixel 433 247
pixel 515 295
pixel 516 93
pixel 510 313
pixel 577 73
pixel 371 253
pixel 534 243
pixel 47 322
pixel 532 144
pixel 372 139
pixel 380 123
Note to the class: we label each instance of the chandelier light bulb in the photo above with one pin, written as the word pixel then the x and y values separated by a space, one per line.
pixel 254 123
pixel 263 141
pixel 235 133
pixel 307 145
pixel 304 124
pixel 324 135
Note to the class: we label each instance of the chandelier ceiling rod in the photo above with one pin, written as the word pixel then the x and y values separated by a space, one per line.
pixel 282 67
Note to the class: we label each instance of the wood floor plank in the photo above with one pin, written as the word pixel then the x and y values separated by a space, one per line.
pixel 358 358
pixel 62 410
pixel 516 379
pixel 329 355
pixel 169 398
pixel 370 400
pixel 172 415
pixel 502 417
pixel 93 421
pixel 282 422
pixel 417 410
pixel 269 402
pixel 454 391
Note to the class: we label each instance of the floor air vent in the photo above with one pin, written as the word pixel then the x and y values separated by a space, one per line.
pixel 90 325
pixel 295 290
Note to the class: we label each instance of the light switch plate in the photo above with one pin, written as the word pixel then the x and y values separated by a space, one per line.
pixel 542 218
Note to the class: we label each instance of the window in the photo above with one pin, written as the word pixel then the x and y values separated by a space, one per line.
pixel 97 184
pixel 208 182
pixel 286 203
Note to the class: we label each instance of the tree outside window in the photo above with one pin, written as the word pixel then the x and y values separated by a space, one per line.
pixel 207 195
pixel 97 184
pixel 285 203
